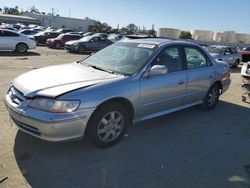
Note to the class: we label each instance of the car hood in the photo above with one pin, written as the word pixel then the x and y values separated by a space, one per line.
pixel 56 80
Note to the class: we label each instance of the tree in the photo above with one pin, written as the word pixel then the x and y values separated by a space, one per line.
pixel 185 35
pixel 132 28
pixel 10 10
pixel 33 9
pixel 100 27
pixel 124 31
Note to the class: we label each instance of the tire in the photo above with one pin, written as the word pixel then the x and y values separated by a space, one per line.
pixel 21 48
pixel 58 46
pixel 212 97
pixel 108 124
pixel 81 49
pixel 235 65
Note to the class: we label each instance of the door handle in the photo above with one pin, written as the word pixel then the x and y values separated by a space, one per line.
pixel 211 76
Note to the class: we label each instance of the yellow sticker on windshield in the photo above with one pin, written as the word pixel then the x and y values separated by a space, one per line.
pixel 151 46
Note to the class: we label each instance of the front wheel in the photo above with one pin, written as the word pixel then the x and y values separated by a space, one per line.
pixel 212 97
pixel 108 125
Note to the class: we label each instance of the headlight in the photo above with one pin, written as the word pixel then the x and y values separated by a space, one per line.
pixel 75 44
pixel 57 106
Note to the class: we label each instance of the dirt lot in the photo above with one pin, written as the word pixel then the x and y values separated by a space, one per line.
pixel 191 148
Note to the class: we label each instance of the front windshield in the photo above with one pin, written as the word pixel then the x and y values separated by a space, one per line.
pixel 86 39
pixel 124 58
pixel 215 50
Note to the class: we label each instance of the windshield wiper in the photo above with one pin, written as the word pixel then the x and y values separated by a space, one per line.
pixel 102 69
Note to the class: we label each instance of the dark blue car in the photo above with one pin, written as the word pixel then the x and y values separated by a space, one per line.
pixel 86 44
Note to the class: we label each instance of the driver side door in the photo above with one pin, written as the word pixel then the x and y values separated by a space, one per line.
pixel 164 92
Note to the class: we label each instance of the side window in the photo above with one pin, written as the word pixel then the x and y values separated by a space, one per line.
pixel 170 57
pixel 8 34
pixel 232 51
pixel 76 37
pixel 66 37
pixel 195 59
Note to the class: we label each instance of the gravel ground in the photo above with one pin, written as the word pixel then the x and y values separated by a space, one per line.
pixel 191 148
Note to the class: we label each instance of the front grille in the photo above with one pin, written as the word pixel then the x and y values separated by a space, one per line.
pixel 16 96
pixel 26 127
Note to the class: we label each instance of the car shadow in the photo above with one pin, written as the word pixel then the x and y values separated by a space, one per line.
pixel 11 53
pixel 183 149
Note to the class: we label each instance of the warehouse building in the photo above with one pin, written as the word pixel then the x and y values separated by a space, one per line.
pixel 62 22
pixel 13 19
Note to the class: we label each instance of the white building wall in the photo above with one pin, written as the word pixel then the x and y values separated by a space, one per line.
pixel 242 38
pixel 169 33
pixel 228 36
pixel 202 35
pixel 59 22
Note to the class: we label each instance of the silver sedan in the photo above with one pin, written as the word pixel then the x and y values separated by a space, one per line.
pixel 227 54
pixel 127 82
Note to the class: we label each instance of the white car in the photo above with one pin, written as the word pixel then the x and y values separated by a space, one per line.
pixel 245 70
pixel 11 40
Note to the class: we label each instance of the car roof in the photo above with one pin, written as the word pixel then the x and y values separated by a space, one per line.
pixel 70 34
pixel 155 41
pixel 220 46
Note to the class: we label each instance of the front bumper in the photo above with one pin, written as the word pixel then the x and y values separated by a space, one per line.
pixel 48 126
pixel 245 70
pixel 71 48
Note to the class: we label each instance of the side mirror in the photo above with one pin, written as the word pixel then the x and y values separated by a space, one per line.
pixel 158 70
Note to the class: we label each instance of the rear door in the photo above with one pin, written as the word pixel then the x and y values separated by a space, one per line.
pixel 8 40
pixel 200 73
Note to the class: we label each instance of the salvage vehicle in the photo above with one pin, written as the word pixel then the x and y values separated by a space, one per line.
pixel 89 43
pixel 127 82
pixel 41 38
pixel 227 54
pixel 245 70
pixel 60 41
pixel 14 41
pixel 245 52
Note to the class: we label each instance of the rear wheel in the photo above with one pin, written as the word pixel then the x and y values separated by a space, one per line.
pixel 21 48
pixel 108 125
pixel 212 97
pixel 81 49
pixel 235 65
pixel 58 45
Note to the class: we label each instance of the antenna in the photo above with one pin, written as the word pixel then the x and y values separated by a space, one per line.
pixel 69 12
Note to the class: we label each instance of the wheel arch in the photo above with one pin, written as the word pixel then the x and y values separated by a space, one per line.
pixel 123 101
pixel 21 42
pixel 218 82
